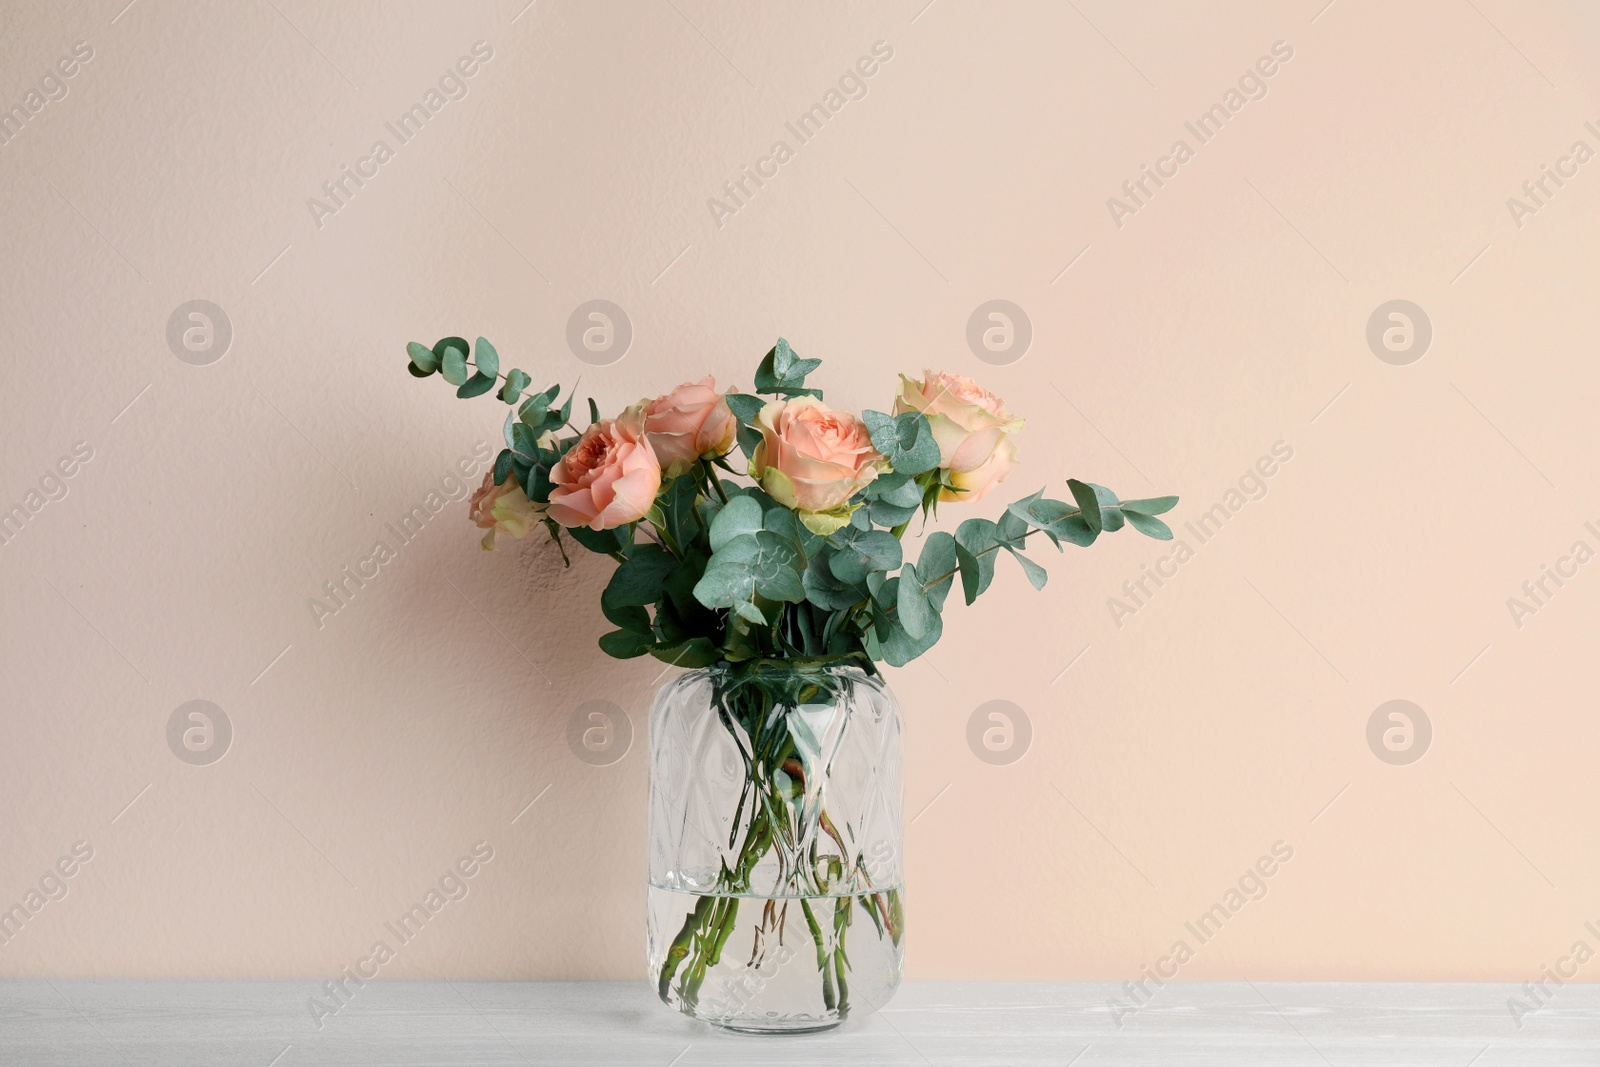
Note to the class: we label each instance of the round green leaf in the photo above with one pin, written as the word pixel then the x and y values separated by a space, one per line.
pixel 422 358
pixel 453 365
pixel 486 358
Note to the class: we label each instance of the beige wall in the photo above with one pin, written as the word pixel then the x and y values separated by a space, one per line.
pixel 1227 314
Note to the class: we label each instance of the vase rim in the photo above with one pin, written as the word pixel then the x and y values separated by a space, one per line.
pixel 793 665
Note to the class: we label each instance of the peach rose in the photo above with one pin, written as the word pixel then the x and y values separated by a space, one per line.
pixel 691 421
pixel 813 459
pixel 609 478
pixel 502 507
pixel 972 426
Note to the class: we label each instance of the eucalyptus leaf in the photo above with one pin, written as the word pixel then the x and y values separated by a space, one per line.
pixel 486 358
pixel 1149 525
pixel 916 610
pixel 453 365
pixel 784 373
pixel 1037 575
pixel 873 550
pixel 422 358
pixel 1073 528
pixel 459 343
pixel 724 585
pixel 1088 503
pixel 894 488
pixel 745 406
pixel 516 381
pixel 937 565
pixel 1155 505
pixel 741 515
pixel 780 520
pixel 1110 508
pixel 1011 528
pixel 979 538
pixel 889 515
pixel 971 573
pixel 905 440
pixel 900 648
pixel 748 439
pixel 476 385
pixel 523 442
pixel 777 568
pixel 825 590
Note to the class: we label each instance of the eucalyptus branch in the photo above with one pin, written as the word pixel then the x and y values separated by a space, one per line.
pixel 892 608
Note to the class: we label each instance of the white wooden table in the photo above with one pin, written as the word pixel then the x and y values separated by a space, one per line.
pixel 929 1024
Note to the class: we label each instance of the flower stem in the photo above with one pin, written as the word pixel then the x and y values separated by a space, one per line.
pixel 829 1000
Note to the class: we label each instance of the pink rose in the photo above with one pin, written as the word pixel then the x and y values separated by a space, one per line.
pixel 691 421
pixel 813 459
pixel 501 507
pixel 609 478
pixel 972 426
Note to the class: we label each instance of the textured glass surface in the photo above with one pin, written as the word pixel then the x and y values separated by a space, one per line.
pixel 775 845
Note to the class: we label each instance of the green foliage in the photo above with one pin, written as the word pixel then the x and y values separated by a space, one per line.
pixel 906 441
pixel 1148 525
pixel 861 553
pixel 637 581
pixel 783 373
pixel 453 365
pixel 472 375
pixel 740 516
pixel 719 571
pixel 917 612
pixel 486 359
pixel 745 408
pixel 1158 505
pixel 938 566
pixel 978 538
pixel 624 644
pixel 971 572
pixel 516 382
pixel 892 499
pixel 476 385
pixel 423 361
pixel 1141 515
pixel 603 542
pixel 679 519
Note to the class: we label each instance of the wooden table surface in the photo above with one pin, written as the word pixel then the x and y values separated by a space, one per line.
pixel 270 1024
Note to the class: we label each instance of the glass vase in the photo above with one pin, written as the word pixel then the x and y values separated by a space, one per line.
pixel 775 881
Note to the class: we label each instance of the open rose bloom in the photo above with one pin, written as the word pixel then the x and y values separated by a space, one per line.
pixel 970 424
pixel 691 421
pixel 813 459
pixel 609 478
pixel 501 507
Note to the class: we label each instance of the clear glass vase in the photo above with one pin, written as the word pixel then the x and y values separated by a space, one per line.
pixel 775 844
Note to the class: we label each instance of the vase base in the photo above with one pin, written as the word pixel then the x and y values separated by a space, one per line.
pixel 776 1027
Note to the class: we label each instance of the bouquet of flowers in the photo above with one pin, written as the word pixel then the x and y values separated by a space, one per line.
pixel 803 558
pixel 782 572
